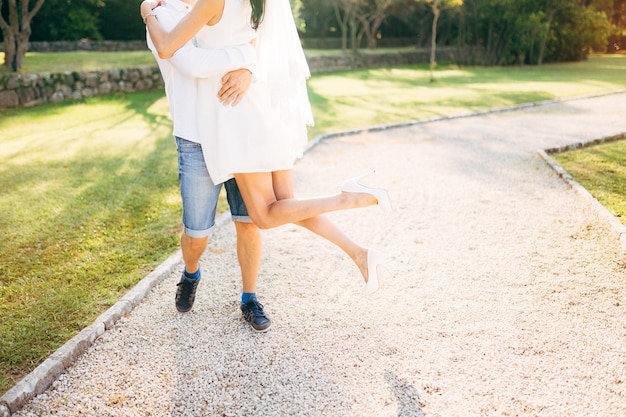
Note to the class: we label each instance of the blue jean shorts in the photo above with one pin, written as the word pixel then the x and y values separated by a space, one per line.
pixel 200 195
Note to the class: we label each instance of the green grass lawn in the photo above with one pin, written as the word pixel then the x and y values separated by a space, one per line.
pixel 89 193
pixel 35 62
pixel 601 169
pixel 91 61
pixel 388 95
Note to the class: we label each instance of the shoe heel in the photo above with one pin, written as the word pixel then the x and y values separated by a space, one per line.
pixel 353 185
pixel 356 181
pixel 375 260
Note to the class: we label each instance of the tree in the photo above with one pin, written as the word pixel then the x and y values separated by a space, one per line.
pixel 437 6
pixel 296 8
pixel 17 30
pixel 346 13
pixel 319 19
pixel 119 20
pixel 548 9
pixel 577 31
pixel 80 19
pixel 371 15
pixel 433 37
pixel 544 38
pixel 616 13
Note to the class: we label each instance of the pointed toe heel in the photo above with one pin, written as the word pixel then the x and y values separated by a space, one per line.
pixel 375 260
pixel 353 185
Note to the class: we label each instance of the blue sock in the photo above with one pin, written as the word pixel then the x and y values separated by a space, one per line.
pixel 245 296
pixel 195 275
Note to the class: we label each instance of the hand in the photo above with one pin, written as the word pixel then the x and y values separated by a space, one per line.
pixel 153 4
pixel 148 5
pixel 234 86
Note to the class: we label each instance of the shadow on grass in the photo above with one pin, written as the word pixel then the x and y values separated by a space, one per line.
pixel 79 233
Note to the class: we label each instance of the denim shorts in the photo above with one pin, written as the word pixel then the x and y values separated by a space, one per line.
pixel 200 195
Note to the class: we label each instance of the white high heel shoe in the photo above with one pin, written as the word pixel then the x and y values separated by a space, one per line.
pixel 354 186
pixel 375 259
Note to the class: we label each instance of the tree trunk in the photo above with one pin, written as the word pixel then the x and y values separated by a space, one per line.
pixel 375 26
pixel 359 37
pixel 371 24
pixel 354 27
pixel 367 31
pixel 343 25
pixel 544 39
pixel 9 50
pixel 20 50
pixel 489 53
pixel 17 31
pixel 433 39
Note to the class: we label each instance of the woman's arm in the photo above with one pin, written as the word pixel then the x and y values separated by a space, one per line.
pixel 198 62
pixel 203 12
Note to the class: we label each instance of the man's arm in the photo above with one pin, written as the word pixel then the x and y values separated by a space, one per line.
pixel 202 62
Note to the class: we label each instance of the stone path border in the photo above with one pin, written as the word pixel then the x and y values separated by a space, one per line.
pixel 616 225
pixel 47 372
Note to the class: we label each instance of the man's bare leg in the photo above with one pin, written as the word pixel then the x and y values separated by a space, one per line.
pixel 249 255
pixel 192 249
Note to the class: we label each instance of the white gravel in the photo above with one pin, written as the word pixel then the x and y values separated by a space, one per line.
pixel 507 293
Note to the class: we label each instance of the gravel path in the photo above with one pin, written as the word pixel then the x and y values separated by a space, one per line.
pixel 506 298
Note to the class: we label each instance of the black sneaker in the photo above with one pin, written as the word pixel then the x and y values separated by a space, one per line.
pixel 186 293
pixel 253 313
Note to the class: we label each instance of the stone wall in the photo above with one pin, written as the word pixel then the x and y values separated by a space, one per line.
pixel 140 45
pixel 335 43
pixel 85 45
pixel 25 90
pixel 339 62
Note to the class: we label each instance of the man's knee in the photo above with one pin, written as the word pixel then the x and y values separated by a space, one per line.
pixel 194 244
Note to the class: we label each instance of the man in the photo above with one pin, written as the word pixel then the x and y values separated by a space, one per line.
pixel 199 194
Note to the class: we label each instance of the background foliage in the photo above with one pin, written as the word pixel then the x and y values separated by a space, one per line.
pixel 510 31
pixel 100 19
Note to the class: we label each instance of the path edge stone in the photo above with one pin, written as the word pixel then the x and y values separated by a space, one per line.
pixel 617 226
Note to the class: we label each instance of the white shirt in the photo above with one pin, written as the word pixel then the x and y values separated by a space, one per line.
pixel 180 72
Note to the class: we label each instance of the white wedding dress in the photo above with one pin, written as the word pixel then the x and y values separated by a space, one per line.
pixel 266 131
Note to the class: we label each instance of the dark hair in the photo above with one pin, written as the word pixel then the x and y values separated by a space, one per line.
pixel 258 7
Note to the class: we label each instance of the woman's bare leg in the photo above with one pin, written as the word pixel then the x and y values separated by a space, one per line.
pixel 320 225
pixel 267 211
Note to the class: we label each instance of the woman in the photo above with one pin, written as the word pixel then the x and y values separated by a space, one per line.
pixel 259 140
